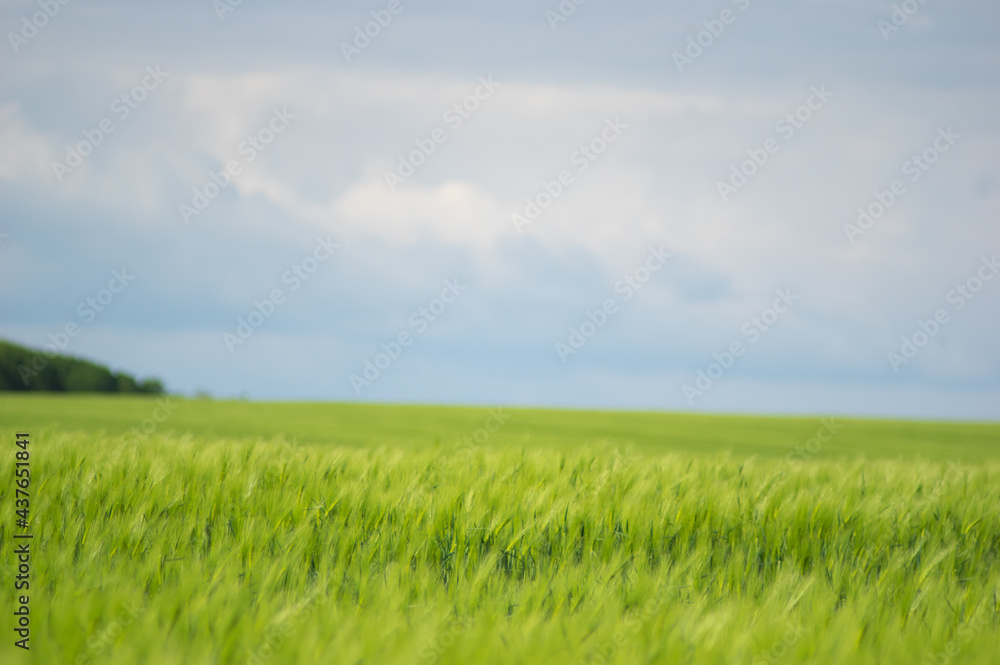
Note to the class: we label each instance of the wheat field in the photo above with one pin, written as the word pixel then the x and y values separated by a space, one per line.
pixel 186 548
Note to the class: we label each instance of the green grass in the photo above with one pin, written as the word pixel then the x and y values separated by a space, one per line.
pixel 419 427
pixel 308 533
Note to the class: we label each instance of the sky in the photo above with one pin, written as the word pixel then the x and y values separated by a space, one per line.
pixel 728 206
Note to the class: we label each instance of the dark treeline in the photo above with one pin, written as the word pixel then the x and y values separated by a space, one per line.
pixel 22 368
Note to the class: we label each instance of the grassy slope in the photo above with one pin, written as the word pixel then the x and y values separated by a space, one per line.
pixel 423 426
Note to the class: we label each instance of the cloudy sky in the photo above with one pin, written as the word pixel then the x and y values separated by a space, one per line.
pixel 587 204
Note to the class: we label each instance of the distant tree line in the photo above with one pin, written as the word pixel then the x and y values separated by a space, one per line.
pixel 24 369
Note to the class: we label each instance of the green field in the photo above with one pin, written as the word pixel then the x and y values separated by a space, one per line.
pixel 237 532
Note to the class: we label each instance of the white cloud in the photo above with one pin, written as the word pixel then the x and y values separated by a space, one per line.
pixel 24 153
pixel 452 211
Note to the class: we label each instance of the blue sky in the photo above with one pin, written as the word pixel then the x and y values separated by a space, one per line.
pixel 689 163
